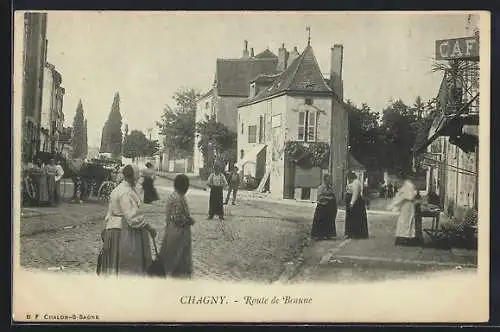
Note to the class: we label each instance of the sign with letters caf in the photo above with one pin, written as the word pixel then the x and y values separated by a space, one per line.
pixel 466 48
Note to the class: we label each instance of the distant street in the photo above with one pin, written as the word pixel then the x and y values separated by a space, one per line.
pixel 269 240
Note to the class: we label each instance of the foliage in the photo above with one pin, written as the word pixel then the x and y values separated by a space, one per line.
pixel 217 143
pixel 85 144
pixel 137 145
pixel 78 132
pixel 111 139
pixel 388 142
pixel 177 124
pixel 315 154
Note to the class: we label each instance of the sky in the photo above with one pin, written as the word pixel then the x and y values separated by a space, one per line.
pixel 147 57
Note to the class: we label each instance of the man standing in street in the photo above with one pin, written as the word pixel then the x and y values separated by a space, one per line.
pixel 234 184
pixel 58 176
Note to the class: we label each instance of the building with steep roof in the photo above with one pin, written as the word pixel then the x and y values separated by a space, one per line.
pixel 297 106
pixel 231 87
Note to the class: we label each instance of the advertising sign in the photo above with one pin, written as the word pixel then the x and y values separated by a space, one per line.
pixel 466 48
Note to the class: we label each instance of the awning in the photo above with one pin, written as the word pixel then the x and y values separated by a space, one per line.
pixel 353 164
pixel 250 156
pixel 450 125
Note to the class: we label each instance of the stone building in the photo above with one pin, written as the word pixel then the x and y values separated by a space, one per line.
pixel 295 107
pixel 451 149
pixel 52 116
pixel 231 87
pixel 34 58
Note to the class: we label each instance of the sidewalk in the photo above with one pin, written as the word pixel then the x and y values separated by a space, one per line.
pixel 371 259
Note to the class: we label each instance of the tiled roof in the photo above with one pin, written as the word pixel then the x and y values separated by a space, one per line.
pixel 266 54
pixel 303 75
pixel 233 76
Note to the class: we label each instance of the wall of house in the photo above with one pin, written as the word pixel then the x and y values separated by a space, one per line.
pixel 34 59
pixel 338 152
pixel 204 110
pixel 461 193
pixel 273 137
pixel 322 106
pixel 226 111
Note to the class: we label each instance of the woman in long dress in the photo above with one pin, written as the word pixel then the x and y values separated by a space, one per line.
pixel 356 221
pixel 42 185
pixel 408 227
pixel 216 182
pixel 323 226
pixel 126 242
pixel 150 193
pixel 176 252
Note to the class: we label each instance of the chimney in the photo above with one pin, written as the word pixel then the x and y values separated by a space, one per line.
pixel 251 53
pixel 282 58
pixel 336 60
pixel 245 51
pixel 294 54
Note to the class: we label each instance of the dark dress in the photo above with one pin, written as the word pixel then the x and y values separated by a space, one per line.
pixel 356 220
pixel 150 193
pixel 216 201
pixel 324 215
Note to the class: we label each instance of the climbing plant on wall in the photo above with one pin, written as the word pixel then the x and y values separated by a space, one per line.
pixel 307 155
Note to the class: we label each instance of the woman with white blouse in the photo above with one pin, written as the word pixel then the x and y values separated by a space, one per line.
pixel 356 221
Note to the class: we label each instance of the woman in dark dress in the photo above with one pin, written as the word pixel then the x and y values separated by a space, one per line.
pixel 323 226
pixel 150 193
pixel 216 182
pixel 356 221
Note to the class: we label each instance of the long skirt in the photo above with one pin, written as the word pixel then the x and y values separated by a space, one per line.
pixel 176 251
pixel 356 220
pixel 409 227
pixel 126 251
pixel 215 205
pixel 51 188
pixel 324 221
pixel 42 189
pixel 150 193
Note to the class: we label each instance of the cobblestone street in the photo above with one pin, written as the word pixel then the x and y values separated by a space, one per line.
pixel 266 237
pixel 271 243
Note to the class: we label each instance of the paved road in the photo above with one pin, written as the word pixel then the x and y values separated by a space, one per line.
pixel 266 236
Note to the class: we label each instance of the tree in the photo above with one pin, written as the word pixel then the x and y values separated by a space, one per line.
pixel 217 143
pixel 111 139
pixel 364 135
pixel 136 145
pixel 177 124
pixel 85 144
pixel 78 132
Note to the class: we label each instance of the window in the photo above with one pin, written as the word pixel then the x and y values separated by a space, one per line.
pixel 306 130
pixel 309 101
pixel 242 153
pixel 276 121
pixel 207 117
pixel 242 128
pixel 252 134
pixel 311 127
pixel 261 129
pixel 207 105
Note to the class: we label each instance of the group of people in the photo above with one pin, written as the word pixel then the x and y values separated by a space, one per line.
pixel 42 183
pixel 127 235
pixel 406 201
pixel 356 221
